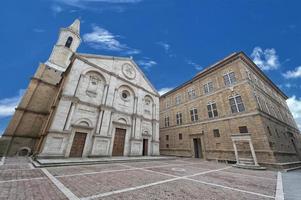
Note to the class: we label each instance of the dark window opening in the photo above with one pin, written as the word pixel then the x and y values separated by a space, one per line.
pixel 180 136
pixel 243 129
pixel 69 42
pixel 269 130
pixel 216 133
pixel 167 137
pixel 167 145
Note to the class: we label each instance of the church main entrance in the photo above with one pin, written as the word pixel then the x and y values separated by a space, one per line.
pixel 78 144
pixel 119 139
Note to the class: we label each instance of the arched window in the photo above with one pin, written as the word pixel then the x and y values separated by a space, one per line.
pixel 69 42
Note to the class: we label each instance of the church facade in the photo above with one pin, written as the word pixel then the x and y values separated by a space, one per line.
pixel 80 105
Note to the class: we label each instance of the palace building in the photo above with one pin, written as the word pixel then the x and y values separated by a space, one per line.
pixel 79 105
pixel 231 111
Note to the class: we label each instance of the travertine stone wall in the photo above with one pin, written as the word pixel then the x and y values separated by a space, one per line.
pixel 251 83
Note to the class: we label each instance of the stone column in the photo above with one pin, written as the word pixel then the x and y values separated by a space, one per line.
pixel 236 152
pixel 99 122
pixel 106 120
pixel 253 153
pixel 69 117
pixel 105 94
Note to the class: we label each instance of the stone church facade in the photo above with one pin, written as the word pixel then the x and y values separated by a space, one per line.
pixel 230 111
pixel 80 105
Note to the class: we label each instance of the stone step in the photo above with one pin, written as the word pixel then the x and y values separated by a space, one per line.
pixel 52 162
pixel 254 167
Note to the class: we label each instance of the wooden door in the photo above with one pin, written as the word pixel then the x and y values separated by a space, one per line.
pixel 78 144
pixel 145 147
pixel 119 142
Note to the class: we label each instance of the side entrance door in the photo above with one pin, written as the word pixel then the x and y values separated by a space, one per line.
pixel 119 139
pixel 145 147
pixel 197 148
pixel 78 144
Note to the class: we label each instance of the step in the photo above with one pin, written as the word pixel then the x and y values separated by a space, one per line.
pixel 51 162
pixel 253 167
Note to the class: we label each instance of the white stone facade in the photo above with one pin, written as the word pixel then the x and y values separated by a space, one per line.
pixel 99 95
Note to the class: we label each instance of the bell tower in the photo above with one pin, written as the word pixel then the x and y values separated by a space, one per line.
pixel 66 45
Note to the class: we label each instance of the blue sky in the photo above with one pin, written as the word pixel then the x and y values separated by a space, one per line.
pixel 171 40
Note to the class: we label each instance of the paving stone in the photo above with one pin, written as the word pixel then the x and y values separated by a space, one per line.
pixel 6 175
pixel 88 185
pixel 183 189
pixel 253 184
pixel 34 190
pixel 69 170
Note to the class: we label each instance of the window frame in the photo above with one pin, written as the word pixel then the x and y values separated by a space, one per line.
pixel 236 104
pixel 194 114
pixel 230 80
pixel 211 111
pixel 179 118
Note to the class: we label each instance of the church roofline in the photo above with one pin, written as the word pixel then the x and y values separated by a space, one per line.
pixel 84 55
pixel 104 56
pixel 226 60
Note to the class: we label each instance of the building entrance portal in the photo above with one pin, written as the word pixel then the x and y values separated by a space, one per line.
pixel 78 144
pixel 197 148
pixel 119 139
pixel 145 147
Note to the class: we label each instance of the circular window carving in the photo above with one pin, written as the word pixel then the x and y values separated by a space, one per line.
pixel 129 71
pixel 125 95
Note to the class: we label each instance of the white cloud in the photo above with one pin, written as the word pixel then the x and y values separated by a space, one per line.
pixel 296 73
pixel 8 105
pixel 56 9
pixel 101 38
pixel 265 59
pixel 165 46
pixel 295 106
pixel 164 90
pixel 98 5
pixel 147 64
pixel 196 66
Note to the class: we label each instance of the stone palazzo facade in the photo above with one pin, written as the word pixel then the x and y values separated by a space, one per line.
pixel 230 111
pixel 80 105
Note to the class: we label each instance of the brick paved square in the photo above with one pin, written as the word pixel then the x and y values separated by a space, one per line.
pixel 155 180
pixel 183 189
pixel 179 170
pixel 88 185
pixel 6 175
pixel 69 170
pixel 235 180
pixel 42 189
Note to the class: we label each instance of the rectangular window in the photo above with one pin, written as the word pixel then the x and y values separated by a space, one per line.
pixel 166 121
pixel 243 129
pixel 248 74
pixel 178 99
pixel 167 137
pixel 269 131
pixel 167 103
pixel 216 133
pixel 194 115
pixel 191 93
pixel 208 87
pixel 167 145
pixel 236 104
pixel 229 78
pixel 179 118
pixel 180 136
pixel 212 110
